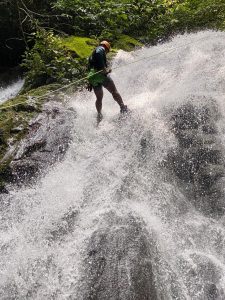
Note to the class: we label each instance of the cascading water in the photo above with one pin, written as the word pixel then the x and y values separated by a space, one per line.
pixel 135 210
pixel 10 91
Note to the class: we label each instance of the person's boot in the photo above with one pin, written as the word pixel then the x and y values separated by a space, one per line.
pixel 123 109
pixel 99 117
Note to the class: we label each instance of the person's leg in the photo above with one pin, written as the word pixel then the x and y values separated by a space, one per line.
pixel 99 95
pixel 110 86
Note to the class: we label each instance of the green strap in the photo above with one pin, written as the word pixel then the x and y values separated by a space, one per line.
pixel 96 78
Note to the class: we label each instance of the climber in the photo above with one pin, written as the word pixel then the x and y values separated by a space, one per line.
pixel 97 63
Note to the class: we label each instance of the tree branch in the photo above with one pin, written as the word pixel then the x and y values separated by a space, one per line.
pixel 21 24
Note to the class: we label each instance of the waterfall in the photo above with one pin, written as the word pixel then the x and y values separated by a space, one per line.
pixel 11 90
pixel 136 208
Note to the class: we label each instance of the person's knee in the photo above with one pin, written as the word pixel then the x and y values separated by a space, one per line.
pixel 98 92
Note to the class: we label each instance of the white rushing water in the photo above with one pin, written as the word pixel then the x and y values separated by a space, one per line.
pixel 114 174
pixel 10 91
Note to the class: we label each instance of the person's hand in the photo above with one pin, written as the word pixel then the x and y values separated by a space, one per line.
pixel 89 87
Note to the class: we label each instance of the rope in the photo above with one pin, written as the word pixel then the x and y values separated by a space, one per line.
pixel 31 98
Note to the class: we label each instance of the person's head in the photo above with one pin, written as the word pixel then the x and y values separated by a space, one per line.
pixel 106 45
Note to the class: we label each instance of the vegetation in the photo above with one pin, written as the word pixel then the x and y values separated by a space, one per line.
pixel 62 60
pixel 45 29
pixel 50 61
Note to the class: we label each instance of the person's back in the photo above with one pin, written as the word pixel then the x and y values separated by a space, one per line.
pixel 97 60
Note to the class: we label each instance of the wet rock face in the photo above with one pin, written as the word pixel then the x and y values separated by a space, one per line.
pixel 65 225
pixel 198 160
pixel 206 275
pixel 118 262
pixel 47 140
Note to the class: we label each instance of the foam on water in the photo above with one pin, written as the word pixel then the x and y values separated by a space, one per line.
pixel 103 172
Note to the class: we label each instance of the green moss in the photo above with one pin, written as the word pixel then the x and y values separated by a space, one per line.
pixel 82 46
pixel 10 119
pixel 126 43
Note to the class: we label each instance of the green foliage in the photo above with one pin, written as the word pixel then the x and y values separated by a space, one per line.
pixel 99 17
pixel 55 59
pixel 193 15
pixel 145 19
pixel 49 61
pixel 92 17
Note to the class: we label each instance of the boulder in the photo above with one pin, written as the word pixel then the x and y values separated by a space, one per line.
pixel 198 160
pixel 118 262
pixel 48 138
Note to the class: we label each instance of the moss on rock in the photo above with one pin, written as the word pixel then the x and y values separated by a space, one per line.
pixel 82 46
pixel 126 43
pixel 15 115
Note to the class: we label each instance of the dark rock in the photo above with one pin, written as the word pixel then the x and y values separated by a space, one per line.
pixel 25 107
pixel 3 189
pixel 118 263
pixel 2 140
pixel 47 140
pixel 209 129
pixel 208 174
pixel 205 275
pixel 23 170
pixel 212 292
pixel 64 226
pixel 186 117
pixel 198 160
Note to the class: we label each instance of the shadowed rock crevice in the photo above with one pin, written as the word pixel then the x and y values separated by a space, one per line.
pixel 198 161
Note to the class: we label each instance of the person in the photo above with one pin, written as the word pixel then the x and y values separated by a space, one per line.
pixel 98 77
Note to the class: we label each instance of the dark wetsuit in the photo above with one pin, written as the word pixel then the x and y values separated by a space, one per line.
pixel 97 60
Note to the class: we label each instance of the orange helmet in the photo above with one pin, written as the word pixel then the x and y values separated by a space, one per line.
pixel 106 44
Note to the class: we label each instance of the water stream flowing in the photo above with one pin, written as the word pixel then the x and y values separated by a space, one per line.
pixel 11 90
pixel 136 208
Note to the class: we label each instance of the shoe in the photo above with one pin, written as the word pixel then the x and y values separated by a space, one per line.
pixel 99 117
pixel 123 109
